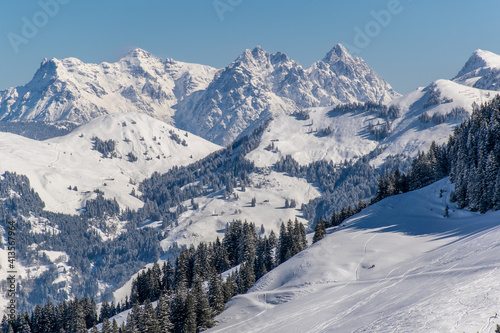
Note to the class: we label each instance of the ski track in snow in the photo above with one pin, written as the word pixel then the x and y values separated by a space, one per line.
pixel 439 277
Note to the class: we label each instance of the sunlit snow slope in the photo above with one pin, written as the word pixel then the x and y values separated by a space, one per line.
pixel 55 164
pixel 398 266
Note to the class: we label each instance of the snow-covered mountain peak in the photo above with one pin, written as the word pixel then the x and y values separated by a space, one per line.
pixel 139 53
pixel 218 105
pixel 482 71
pixel 257 57
pixel 344 78
pixel 338 52
pixel 478 60
pixel 341 62
pixel 138 58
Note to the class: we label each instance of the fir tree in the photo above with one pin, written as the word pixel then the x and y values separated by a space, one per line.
pixel 150 320
pixel 215 292
pixel 319 231
pixel 190 310
pixel 203 310
pixel 163 314
pixel 106 326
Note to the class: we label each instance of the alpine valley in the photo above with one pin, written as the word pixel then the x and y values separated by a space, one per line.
pixel 161 196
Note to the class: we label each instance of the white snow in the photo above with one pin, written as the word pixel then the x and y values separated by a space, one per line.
pixel 301 139
pixel 270 191
pixel 55 164
pixel 481 64
pixel 70 90
pixel 398 266
pixel 409 135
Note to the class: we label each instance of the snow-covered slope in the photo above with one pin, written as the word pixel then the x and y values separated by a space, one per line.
pixel 55 164
pixel 302 138
pixel 427 114
pixel 482 70
pixel 259 84
pixel 398 266
pixel 430 114
pixel 270 191
pixel 70 90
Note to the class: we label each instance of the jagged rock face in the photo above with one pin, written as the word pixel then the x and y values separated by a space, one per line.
pixel 258 84
pixel 217 105
pixel 340 77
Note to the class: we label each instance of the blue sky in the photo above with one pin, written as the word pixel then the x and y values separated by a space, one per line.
pixel 421 41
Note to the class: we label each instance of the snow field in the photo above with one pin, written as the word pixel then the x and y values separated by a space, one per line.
pixel 397 266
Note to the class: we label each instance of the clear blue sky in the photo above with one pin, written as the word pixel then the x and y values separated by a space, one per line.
pixel 424 40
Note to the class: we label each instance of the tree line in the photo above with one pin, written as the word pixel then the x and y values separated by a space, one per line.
pixel 189 293
pixel 471 159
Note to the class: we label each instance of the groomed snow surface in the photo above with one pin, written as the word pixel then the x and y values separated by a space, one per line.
pixel 398 266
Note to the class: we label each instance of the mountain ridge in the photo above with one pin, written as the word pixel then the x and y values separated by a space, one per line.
pixel 218 105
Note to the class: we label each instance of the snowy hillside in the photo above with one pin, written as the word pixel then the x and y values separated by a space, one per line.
pixel 270 190
pixel 56 164
pixel 70 90
pixel 430 114
pixel 425 115
pixel 259 84
pixel 302 138
pixel 399 265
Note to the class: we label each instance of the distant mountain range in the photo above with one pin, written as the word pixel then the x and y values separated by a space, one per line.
pixel 216 104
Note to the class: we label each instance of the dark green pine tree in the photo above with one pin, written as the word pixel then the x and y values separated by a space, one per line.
pixel 106 326
pixel 167 282
pixel 131 323
pixel 77 323
pixel 90 309
pixel 181 270
pixel 229 287
pixel 154 282
pixel 319 231
pixel 283 245
pixel 190 323
pixel 47 322
pixel 105 310
pixel 137 317
pixel 259 265
pixel 247 277
pixel 24 326
pixel 203 311
pixel 273 241
pixel 163 314
pixel 114 327
pixel 178 308
pixel 6 323
pixel 150 320
pixel 221 257
pixel 496 194
pixel 215 292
